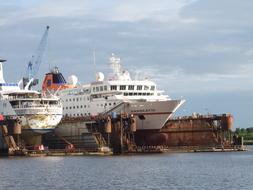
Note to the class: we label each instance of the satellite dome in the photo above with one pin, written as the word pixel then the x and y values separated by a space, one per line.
pixel 100 76
pixel 72 79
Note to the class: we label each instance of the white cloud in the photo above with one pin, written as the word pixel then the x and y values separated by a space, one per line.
pixel 220 48
pixel 120 11
pixel 160 11
pixel 179 82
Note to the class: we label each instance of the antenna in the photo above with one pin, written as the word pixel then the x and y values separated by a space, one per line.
pixel 94 57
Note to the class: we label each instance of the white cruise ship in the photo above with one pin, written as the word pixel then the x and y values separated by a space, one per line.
pixel 37 113
pixel 149 105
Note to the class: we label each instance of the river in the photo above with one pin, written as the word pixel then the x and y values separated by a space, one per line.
pixel 224 170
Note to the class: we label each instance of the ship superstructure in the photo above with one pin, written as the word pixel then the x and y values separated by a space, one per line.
pixel 148 104
pixel 36 112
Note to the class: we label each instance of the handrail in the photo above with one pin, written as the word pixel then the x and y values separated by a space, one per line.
pixel 37 106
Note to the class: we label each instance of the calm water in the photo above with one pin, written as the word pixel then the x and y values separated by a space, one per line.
pixel 158 171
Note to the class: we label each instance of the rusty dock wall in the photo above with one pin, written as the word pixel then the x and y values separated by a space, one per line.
pixel 10 131
pixel 196 130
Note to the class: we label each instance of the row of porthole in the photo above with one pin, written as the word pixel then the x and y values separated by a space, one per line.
pixel 138 94
pixel 103 105
pixel 77 107
pixel 77 115
pixel 75 99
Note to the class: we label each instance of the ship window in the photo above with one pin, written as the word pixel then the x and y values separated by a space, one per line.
pixel 77 107
pixel 146 87
pixel 110 104
pixel 135 94
pixel 97 89
pixel 81 106
pixel 139 94
pixel 77 114
pixel 66 115
pixel 105 88
pixel 152 88
pixel 122 87
pixel 84 106
pixel 139 87
pixel 144 94
pixel 148 94
pixel 70 100
pixel 125 94
pixel 101 88
pixel 105 104
pixel 114 103
pixel 131 87
pixel 66 108
pixel 73 99
pixel 88 98
pixel 80 99
pixel 70 107
pixel 74 107
pixel 94 89
pixel 113 87
pixel 130 94
pixel 74 114
pixel 81 114
pixel 66 100
pixel 49 82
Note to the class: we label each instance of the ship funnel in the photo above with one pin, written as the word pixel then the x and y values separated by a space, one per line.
pixel 1 71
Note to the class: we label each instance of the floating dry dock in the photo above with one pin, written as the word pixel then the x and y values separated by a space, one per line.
pixel 189 133
pixel 104 135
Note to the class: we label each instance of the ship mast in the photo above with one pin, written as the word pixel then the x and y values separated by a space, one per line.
pixel 118 72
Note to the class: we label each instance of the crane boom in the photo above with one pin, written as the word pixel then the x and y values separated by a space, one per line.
pixel 34 63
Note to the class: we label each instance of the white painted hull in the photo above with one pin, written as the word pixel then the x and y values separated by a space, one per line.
pixel 40 123
pixel 151 115
pixel 41 119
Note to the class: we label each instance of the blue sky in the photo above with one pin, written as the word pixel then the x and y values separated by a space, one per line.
pixel 201 50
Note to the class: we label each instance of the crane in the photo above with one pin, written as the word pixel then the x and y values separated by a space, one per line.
pixel 34 63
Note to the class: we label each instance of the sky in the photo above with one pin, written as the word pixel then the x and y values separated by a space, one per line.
pixel 198 50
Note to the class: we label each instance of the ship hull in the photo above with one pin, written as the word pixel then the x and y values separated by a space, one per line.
pixel 153 115
pixel 40 123
pixel 39 120
pixel 150 116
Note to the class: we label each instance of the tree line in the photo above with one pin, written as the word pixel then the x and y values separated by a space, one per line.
pixel 246 133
